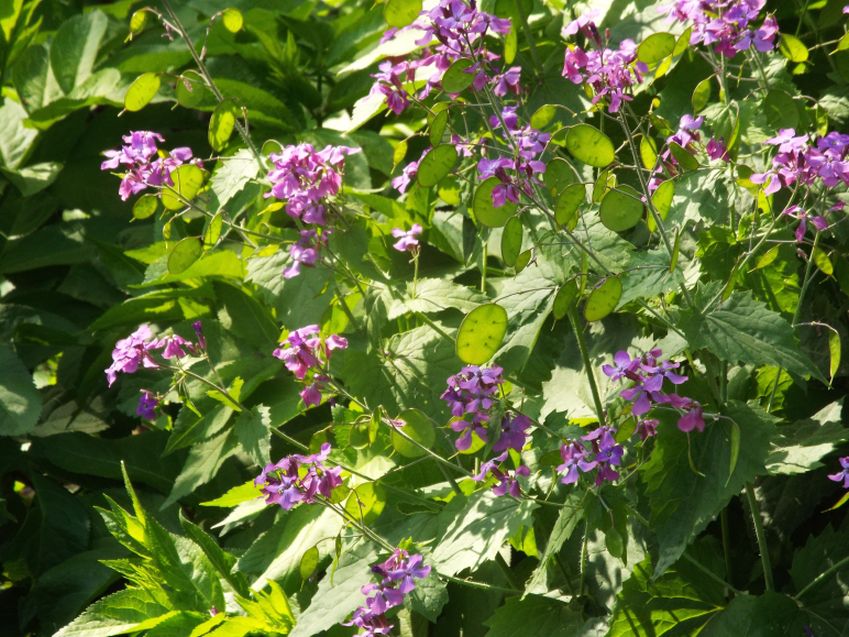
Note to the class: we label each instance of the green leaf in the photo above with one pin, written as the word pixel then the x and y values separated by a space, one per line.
pixel 565 299
pixel 338 592
pixel 683 157
pixel 827 601
pixel 236 495
pixel 744 329
pixel 184 253
pixel 73 50
pixel 648 152
pixel 621 209
pixel 588 144
pixel 117 614
pixel 253 431
pixel 221 125
pixel 437 126
pixel 792 48
pixel 763 616
pixel 457 78
pixel 801 446
pixel 436 165
pixel 485 211
pixel 568 203
pixel 568 517
pixel 141 91
pixel 511 241
pixel 543 116
pixel 655 48
pixel 472 529
pixel 187 179
pixel 535 616
pixel 276 554
pixel 419 428
pixel 222 561
pixel 679 602
pixel 20 402
pixel 400 13
pixel 481 334
pixel 145 206
pixel 232 20
pixel 701 94
pixel 834 350
pixel 202 464
pixel 603 299
pixel 682 502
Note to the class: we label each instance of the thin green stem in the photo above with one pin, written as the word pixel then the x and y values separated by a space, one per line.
pixel 755 512
pixel 822 576
pixel 204 71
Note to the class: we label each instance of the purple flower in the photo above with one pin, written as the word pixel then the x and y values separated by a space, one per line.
pixel 507 82
pixel 716 149
pixel 407 239
pixel 513 433
pixel 727 25
pixel 470 395
pixel 304 251
pixel 298 479
pixel 306 354
pixel 843 474
pixel 131 353
pixel 148 402
pixel 649 373
pixel 575 459
pixel 305 178
pixel 398 575
pixel 140 158
pixel 506 481
pixel 609 72
pixel 197 327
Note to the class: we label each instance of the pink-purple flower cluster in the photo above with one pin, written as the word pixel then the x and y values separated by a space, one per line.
pixel 596 451
pixel 306 179
pixel 408 240
pixel 306 354
pixel 843 474
pixel 609 72
pixel 471 396
pixel 398 576
pixel 297 478
pixel 648 373
pixel 144 164
pixel 513 435
pixel 459 29
pixel 727 25
pixel 137 350
pixel 801 161
pixel 520 171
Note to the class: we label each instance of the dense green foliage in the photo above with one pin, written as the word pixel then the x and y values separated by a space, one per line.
pixel 723 523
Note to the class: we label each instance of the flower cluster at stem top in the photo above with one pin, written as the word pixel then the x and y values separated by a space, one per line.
pixel 727 25
pixel 306 354
pixel 137 351
pixel 144 164
pixel 648 373
pixel 297 478
pixel 398 576
pixel 306 179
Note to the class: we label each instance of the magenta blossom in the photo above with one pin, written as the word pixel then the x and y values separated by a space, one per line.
pixel 148 402
pixel 307 355
pixel 471 395
pixel 648 374
pixel 398 579
pixel 407 239
pixel 144 165
pixel 298 479
pixel 601 455
pixel 506 480
pixel 843 474
pixel 727 25
pixel 609 72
